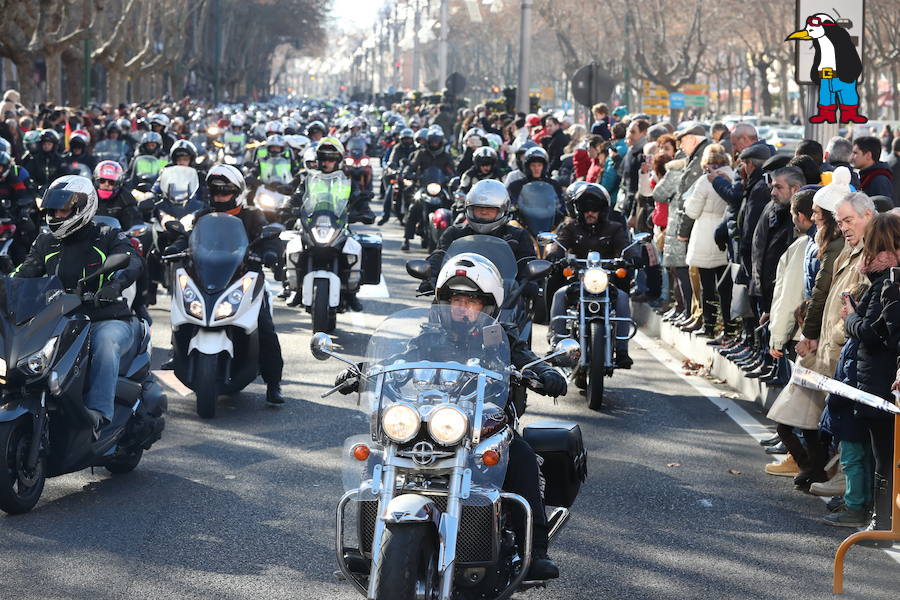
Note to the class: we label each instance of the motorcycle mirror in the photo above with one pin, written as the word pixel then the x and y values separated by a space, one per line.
pixel 271 231
pixel 321 346
pixel 112 263
pixel 546 238
pixel 419 269
pixel 640 238
pixel 537 269
pixel 568 352
pixel 175 226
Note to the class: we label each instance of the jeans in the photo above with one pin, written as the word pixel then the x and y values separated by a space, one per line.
pixel 623 309
pixel 110 341
pixel 834 91
pixel 388 198
pixel 856 461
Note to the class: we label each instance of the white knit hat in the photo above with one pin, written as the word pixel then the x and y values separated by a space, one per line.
pixel 839 188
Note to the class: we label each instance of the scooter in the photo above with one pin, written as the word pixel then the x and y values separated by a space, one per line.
pixel 45 429
pixel 216 299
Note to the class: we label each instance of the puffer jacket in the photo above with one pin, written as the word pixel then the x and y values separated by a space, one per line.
pixel 666 191
pixel 706 208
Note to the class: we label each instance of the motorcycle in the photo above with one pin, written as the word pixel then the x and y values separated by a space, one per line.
pixel 592 320
pixel 115 150
pixel 179 202
pixel 273 195
pixel 324 260
pixel 204 159
pixel 216 299
pixel 146 170
pixel 424 514
pixel 357 165
pixel 435 203
pixel 45 429
pixel 231 153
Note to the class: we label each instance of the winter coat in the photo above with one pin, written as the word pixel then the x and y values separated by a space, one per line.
pixel 839 418
pixel 811 263
pixel 666 191
pixel 876 361
pixel 812 324
pixel 787 295
pixel 832 335
pixel 894 163
pixel 798 406
pixel 705 208
pixel 773 234
pixel 876 180
pixel 689 176
pixel 756 196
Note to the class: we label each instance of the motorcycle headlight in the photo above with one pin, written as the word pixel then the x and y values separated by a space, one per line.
pixel 2 368
pixel 232 299
pixel 407 182
pixel 323 231
pixel 190 296
pixel 348 161
pixel 433 189
pixel 230 160
pixel 199 160
pixel 213 131
pixel 265 201
pixel 400 422
pixel 447 424
pixel 595 280
pixel 38 362
pixel 364 162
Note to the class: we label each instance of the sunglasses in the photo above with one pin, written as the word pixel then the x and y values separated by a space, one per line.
pixel 818 22
pixel 111 182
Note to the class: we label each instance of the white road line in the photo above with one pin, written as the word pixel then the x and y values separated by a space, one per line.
pixel 736 413
pixel 168 379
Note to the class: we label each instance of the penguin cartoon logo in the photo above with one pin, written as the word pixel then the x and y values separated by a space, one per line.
pixel 836 67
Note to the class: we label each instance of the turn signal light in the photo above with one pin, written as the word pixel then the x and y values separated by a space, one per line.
pixel 361 452
pixel 621 273
pixel 568 272
pixel 490 458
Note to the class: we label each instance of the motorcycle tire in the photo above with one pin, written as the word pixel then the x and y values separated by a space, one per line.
pixel 408 561
pixel 320 320
pixel 597 367
pixel 539 307
pixel 207 384
pixel 19 492
pixel 125 463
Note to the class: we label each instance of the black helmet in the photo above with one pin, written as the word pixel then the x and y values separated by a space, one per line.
pixel 49 135
pixel 591 197
pixel 435 141
pixel 484 157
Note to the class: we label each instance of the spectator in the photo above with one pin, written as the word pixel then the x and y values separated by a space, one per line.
pixel 554 140
pixel 675 250
pixel 812 149
pixel 874 176
pixel 630 167
pixel 720 134
pixel 576 149
pixel 598 152
pixel 837 154
pixel 601 121
pixel 618 148
pixel 894 163
pixel 812 170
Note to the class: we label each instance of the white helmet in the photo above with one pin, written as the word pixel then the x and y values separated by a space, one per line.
pixel 490 193
pixel 276 140
pixel 69 192
pixel 273 128
pixel 298 142
pixel 309 156
pixel 237 121
pixel 471 274
pixel 227 179
pixel 160 119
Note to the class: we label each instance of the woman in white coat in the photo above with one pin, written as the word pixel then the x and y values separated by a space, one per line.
pixel 706 208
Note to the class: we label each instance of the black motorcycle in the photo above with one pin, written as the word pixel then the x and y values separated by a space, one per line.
pixel 45 429
pixel 434 201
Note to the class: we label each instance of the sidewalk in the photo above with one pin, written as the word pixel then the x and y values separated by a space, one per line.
pixel 694 348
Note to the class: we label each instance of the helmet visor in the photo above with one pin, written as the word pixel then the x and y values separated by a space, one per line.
pixel 61 199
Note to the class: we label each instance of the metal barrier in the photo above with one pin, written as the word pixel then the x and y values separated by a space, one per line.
pixel 892 534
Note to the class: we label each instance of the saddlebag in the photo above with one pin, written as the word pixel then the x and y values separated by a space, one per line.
pixel 371 258
pixel 559 443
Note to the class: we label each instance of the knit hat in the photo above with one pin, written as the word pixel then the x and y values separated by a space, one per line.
pixel 839 188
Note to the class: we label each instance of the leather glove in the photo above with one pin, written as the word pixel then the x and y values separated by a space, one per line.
pixel 348 381
pixel 554 383
pixel 270 259
pixel 108 293
pixel 425 286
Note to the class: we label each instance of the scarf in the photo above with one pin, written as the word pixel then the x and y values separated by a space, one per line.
pixel 882 261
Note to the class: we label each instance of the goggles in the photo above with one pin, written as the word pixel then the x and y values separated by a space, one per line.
pixel 818 22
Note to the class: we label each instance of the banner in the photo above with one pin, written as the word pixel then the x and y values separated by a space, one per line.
pixel 810 379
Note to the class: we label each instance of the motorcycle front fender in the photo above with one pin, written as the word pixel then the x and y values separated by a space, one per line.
pixel 211 341
pixel 412 508
pixel 16 408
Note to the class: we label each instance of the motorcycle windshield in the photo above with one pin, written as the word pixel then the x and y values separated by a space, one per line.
pixel 24 297
pixel 433 175
pixel 328 192
pixel 429 358
pixel 109 150
pixel 218 246
pixel 537 206
pixel 275 170
pixel 356 147
pixel 110 222
pixel 178 183
pixel 492 248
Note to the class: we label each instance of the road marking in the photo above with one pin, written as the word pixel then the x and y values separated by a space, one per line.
pixel 374 291
pixel 168 379
pixel 736 413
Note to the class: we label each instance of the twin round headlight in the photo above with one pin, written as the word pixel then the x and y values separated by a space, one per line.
pixel 595 280
pixel 447 424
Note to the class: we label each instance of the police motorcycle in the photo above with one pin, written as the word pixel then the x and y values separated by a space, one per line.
pixel 273 195
pixel 231 150
pixel 147 169
pixel 324 260
pixel 217 294
pixel 424 513
pixel 45 429
pixel 434 198
pixel 591 320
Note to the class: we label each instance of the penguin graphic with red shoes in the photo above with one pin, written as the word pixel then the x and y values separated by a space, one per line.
pixel 836 67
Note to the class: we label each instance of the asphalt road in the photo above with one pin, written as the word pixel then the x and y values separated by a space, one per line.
pixel 241 507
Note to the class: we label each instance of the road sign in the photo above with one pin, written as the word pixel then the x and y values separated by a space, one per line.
pixel 696 95
pixel 591 84
pixel 849 14
pixel 676 100
pixel 654 99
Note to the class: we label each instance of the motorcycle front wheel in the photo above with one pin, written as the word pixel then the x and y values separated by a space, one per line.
pixel 20 489
pixel 408 566
pixel 207 384
pixel 320 320
pixel 597 368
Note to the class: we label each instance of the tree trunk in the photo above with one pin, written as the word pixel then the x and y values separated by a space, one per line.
pixel 785 95
pixel 53 59
pixel 895 95
pixel 74 70
pixel 764 94
pixel 730 72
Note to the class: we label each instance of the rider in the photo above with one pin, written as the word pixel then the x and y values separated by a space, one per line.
pixel 159 123
pixel 315 131
pixel 471 284
pixel 151 145
pixel 330 158
pixel 487 213
pixel 484 167
pixel 399 155
pixel 519 154
pixel 44 165
pixel 227 191
pixel 592 230
pixel 75 247
pixel 115 199
pixel 433 154
pixel 536 164
pixel 17 204
pixel 78 154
